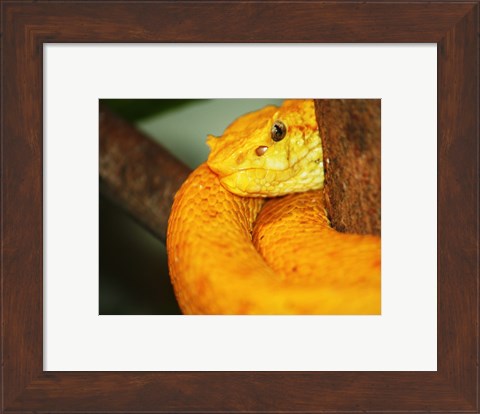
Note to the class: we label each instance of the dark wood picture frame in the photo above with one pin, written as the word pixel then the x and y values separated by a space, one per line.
pixel 27 26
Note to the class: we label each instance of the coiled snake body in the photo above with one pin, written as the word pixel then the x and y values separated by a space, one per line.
pixel 232 251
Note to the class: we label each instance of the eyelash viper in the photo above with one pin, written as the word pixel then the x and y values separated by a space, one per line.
pixel 232 250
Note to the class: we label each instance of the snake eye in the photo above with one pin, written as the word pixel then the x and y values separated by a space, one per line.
pixel 278 131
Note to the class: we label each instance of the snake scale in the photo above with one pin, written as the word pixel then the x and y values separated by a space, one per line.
pixel 248 232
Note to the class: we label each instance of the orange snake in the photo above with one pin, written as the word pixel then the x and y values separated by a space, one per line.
pixel 233 251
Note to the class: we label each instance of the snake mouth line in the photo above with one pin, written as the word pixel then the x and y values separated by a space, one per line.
pixel 221 176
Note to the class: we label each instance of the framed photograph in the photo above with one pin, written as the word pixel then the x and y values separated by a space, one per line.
pixel 248 155
pixel 412 345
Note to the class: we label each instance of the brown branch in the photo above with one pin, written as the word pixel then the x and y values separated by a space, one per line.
pixel 138 174
pixel 350 131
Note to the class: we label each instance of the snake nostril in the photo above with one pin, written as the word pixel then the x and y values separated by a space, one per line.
pixel 261 150
pixel 240 158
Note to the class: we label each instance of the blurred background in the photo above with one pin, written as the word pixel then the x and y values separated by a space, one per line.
pixel 133 267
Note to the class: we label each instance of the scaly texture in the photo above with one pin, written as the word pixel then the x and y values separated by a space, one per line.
pixel 295 263
pixel 292 164
pixel 293 234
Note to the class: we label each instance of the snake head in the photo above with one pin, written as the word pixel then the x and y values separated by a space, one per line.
pixel 271 152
